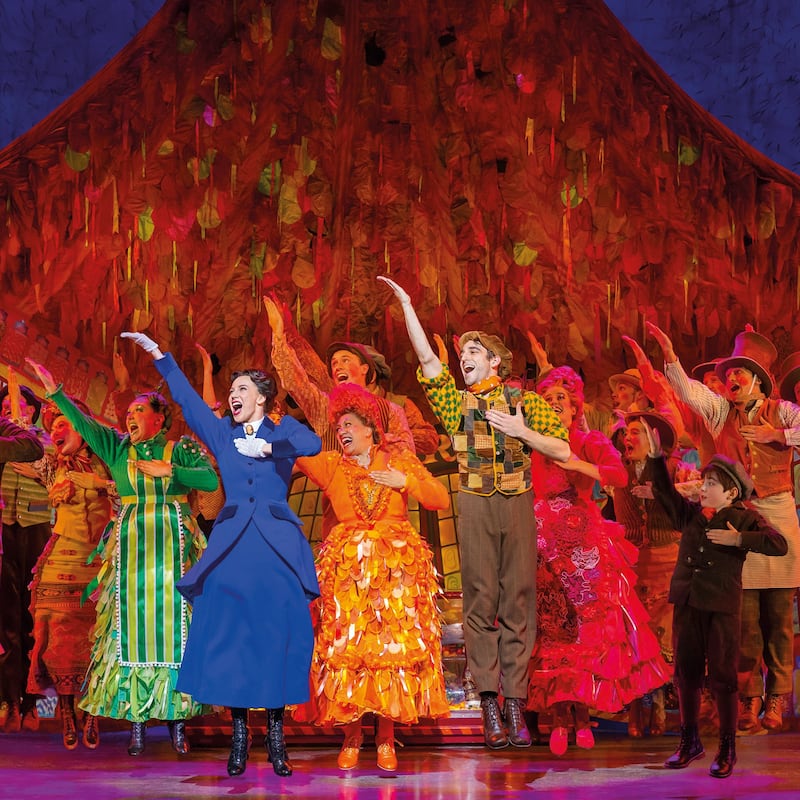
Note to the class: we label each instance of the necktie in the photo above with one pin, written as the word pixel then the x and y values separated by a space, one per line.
pixel 248 429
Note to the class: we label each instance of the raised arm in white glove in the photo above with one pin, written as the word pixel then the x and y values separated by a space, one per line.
pixel 253 448
pixel 145 342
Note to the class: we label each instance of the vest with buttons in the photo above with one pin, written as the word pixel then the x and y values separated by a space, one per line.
pixel 488 461
pixel 769 464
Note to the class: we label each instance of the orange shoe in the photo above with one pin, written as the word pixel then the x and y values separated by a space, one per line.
pixel 387 758
pixel 348 756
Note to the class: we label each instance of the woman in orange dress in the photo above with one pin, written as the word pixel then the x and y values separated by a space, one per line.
pixel 377 647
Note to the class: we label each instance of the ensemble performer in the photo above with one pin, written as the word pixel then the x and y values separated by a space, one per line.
pixel 594 648
pixel 493 428
pixel 717 534
pixel 142 621
pixel 26 516
pixel 649 528
pixel 308 384
pixel 378 639
pixel 251 639
pixel 750 426
pixel 80 491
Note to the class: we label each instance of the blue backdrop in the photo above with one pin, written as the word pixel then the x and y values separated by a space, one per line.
pixel 738 59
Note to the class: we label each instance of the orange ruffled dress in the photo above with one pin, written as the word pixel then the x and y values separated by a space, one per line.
pixel 377 646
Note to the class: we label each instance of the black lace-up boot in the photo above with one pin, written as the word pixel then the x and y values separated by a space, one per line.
pixel 276 745
pixel 237 760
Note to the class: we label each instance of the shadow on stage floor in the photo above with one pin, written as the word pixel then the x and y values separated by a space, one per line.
pixel 36 765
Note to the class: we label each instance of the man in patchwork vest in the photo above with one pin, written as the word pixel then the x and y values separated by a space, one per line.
pixel 493 428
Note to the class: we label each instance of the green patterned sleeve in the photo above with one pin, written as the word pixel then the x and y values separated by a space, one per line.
pixel 541 417
pixel 444 398
pixel 191 466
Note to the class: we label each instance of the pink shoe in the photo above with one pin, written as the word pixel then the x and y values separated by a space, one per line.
pixel 584 738
pixel 558 741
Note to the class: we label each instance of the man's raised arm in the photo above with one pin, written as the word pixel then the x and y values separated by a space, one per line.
pixel 429 362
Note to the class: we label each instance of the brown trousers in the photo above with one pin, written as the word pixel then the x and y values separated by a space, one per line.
pixel 497 539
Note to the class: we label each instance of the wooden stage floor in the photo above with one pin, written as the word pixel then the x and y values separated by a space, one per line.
pixel 36 765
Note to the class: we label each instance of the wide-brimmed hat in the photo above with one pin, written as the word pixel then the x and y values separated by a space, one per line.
pixel 630 376
pixel 28 395
pixel 357 349
pixel 754 352
pixel 735 470
pixel 790 375
pixel 699 370
pixel 666 430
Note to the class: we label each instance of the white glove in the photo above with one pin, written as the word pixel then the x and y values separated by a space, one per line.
pixel 253 448
pixel 145 342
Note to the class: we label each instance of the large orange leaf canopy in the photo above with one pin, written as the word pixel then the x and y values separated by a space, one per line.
pixel 517 166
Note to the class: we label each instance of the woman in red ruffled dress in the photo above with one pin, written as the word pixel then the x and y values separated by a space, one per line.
pixel 594 649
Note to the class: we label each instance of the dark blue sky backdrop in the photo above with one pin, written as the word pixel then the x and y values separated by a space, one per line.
pixel 740 59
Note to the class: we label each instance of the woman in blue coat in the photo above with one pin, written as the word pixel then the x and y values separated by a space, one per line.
pixel 251 639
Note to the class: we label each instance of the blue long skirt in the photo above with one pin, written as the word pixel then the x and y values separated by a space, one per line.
pixel 251 639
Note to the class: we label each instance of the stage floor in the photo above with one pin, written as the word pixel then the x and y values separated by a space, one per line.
pixel 36 765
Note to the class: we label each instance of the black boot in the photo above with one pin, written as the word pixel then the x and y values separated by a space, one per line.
pixel 689 749
pixel 725 757
pixel 495 736
pixel 276 744
pixel 518 733
pixel 136 744
pixel 177 733
pixel 237 760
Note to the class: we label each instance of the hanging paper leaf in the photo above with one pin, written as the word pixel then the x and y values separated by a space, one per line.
pixel 225 107
pixel 208 214
pixel 307 164
pixel 524 255
pixel 75 160
pixel 257 252
pixel 270 179
pixel 687 154
pixel 576 346
pixel 289 210
pixel 145 225
pixel 303 273
pixel 331 41
pixel 261 27
pixel 167 148
pixel 184 42
pixel 574 198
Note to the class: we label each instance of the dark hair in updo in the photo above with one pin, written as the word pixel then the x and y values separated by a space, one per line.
pixel 160 405
pixel 264 382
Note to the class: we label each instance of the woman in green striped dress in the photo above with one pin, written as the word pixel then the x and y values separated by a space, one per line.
pixel 142 621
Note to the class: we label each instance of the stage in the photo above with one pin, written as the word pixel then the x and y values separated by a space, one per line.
pixel 36 765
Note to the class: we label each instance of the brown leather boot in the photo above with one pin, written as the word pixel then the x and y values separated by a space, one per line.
pixel 494 732
pixel 748 716
pixel 66 707
pixel 518 733
pixel 773 716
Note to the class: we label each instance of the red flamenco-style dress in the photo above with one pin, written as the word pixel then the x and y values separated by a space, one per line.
pixel 378 637
pixel 593 644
